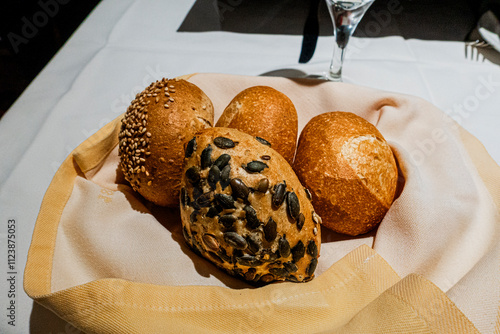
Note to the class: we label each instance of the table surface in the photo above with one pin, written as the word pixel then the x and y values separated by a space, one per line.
pixel 124 45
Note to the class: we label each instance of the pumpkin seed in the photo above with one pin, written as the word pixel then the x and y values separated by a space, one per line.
pixel 193 174
pixel 312 267
pixel 293 205
pixel 263 185
pixel 279 194
pixel 197 191
pixel 255 166
pixel 235 240
pixel 227 220
pixel 226 201
pixel 248 260
pixel 270 230
pixel 251 217
pixel 284 247
pixel 213 177
pixel 224 176
pixel 190 147
pixel 212 212
pixel 206 157
pixel 290 267
pixel 312 248
pixel 205 200
pixel 263 141
pixel 223 142
pixel 222 161
pixel 240 190
pixel 211 241
pixel 298 251
pixel 300 221
pixel 279 272
pixel 254 243
pixel 194 216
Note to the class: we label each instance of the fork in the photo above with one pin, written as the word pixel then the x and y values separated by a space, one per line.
pixel 472 50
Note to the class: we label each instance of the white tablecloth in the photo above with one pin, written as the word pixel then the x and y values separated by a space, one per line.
pixel 124 45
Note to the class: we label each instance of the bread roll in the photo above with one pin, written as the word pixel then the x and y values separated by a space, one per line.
pixel 264 112
pixel 350 170
pixel 243 208
pixel 154 129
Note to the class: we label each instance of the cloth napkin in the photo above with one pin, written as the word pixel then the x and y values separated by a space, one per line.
pixel 107 261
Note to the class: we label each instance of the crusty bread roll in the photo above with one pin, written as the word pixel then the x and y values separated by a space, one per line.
pixel 154 129
pixel 266 113
pixel 244 209
pixel 350 170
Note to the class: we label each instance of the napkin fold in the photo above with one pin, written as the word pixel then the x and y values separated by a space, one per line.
pixel 106 260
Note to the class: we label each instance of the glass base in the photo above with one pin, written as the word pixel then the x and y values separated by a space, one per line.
pixel 336 77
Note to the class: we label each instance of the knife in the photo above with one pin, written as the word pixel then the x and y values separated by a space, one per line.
pixel 311 32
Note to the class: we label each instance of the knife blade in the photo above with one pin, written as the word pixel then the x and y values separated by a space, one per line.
pixel 310 34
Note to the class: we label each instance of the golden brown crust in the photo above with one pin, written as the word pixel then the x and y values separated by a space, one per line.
pixel 214 227
pixel 154 130
pixel 264 112
pixel 350 170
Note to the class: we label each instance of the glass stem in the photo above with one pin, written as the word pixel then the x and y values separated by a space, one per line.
pixel 335 73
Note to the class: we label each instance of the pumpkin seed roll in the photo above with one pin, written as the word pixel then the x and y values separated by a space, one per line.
pixel 157 124
pixel 244 209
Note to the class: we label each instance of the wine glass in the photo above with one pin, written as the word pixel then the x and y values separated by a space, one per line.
pixel 345 17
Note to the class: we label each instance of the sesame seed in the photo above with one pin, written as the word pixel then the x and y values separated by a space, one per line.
pixel 204 107
pixel 171 86
pixel 148 134
pixel 166 106
pixel 171 99
pixel 147 174
pixel 143 169
pixel 149 183
pixel 157 99
pixel 162 159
